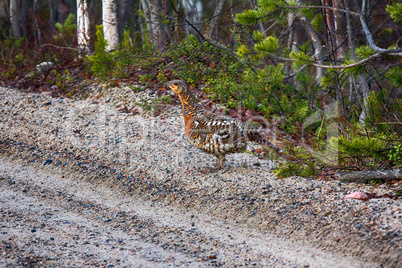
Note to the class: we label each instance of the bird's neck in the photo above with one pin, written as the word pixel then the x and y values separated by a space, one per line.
pixel 189 106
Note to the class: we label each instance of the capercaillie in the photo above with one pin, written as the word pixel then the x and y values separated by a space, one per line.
pixel 213 133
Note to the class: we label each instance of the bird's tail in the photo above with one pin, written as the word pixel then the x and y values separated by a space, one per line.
pixel 256 137
pixel 270 145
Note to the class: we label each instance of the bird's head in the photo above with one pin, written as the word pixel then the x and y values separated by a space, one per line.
pixel 178 86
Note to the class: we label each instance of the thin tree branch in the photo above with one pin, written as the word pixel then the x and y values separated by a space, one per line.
pixel 223 11
pixel 59 47
pixel 376 55
pixel 324 7
pixel 369 36
pixel 295 72
pixel 362 17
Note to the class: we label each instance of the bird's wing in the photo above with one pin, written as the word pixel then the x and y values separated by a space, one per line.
pixel 224 129
pixel 218 129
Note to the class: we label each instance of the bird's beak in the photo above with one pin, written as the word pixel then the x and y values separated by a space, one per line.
pixel 170 86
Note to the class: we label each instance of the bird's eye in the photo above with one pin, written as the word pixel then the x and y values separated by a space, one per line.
pixel 176 84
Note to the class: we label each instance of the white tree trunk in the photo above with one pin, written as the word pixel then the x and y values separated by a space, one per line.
pixel 83 26
pixel 293 44
pixel 157 35
pixel 341 33
pixel 36 23
pixel 318 49
pixel 193 11
pixel 214 22
pixel 292 39
pixel 145 9
pixel 15 19
pixel 109 21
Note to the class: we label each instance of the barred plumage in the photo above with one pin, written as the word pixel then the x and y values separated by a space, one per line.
pixel 214 134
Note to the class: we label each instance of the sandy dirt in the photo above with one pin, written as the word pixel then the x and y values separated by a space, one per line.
pixel 84 182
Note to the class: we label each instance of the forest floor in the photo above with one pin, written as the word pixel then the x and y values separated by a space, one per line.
pixel 100 182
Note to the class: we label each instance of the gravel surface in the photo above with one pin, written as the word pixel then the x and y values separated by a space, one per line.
pixel 99 182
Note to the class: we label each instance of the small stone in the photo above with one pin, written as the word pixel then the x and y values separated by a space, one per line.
pixel 47 162
pixel 33 230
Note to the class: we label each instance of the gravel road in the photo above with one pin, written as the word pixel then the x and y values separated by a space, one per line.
pixel 93 182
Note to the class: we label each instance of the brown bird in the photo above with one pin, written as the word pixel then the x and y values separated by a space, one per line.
pixel 214 134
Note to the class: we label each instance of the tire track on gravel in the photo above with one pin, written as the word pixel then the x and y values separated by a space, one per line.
pixel 51 220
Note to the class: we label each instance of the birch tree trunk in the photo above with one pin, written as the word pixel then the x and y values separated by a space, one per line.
pixel 83 26
pixel 15 19
pixel 109 22
pixel 340 30
pixel 318 49
pixel 361 82
pixel 330 29
pixel 192 10
pixel 364 86
pixel 36 22
pixel 292 43
pixel 292 39
pixel 351 47
pixel 145 9
pixel 157 35
pixel 214 22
